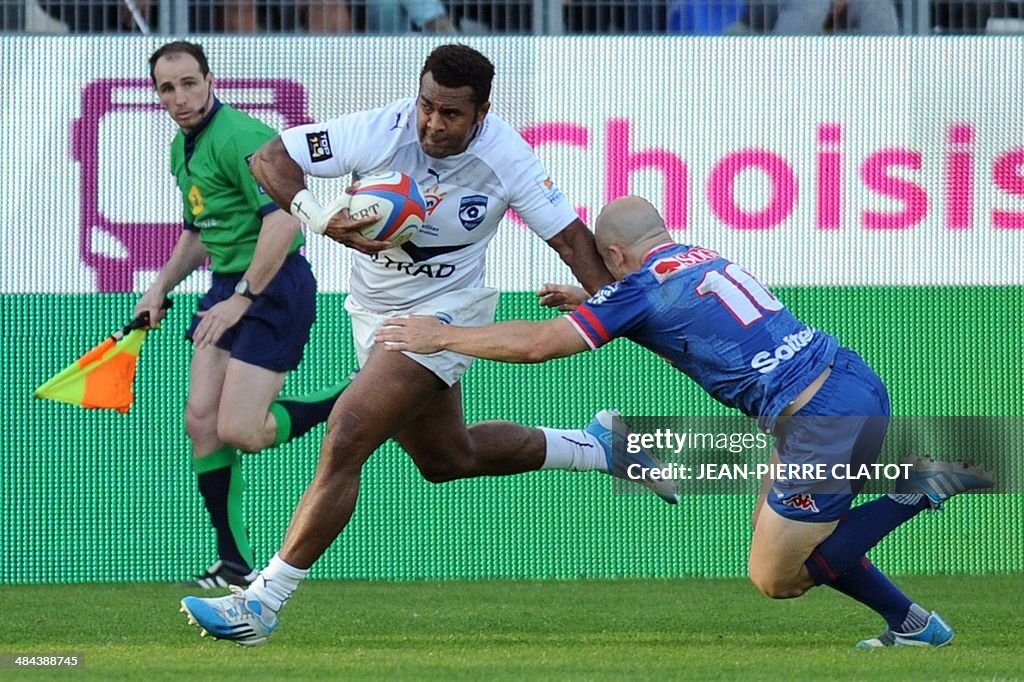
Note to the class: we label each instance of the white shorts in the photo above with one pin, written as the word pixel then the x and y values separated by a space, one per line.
pixel 466 308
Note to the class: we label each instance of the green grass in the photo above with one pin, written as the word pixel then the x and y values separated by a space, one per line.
pixel 520 630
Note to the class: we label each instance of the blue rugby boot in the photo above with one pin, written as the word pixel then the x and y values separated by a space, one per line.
pixel 939 481
pixel 241 618
pixel 619 460
pixel 935 633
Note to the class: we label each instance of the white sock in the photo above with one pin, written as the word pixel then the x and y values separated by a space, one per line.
pixel 276 582
pixel 573 449
pixel 916 619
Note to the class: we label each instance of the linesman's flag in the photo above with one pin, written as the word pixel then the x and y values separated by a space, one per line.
pixel 103 377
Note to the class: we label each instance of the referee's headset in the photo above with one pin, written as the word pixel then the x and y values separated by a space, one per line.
pixel 206 105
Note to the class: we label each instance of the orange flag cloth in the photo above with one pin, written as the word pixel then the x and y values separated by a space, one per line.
pixel 103 377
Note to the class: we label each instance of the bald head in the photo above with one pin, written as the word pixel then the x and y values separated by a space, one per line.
pixel 626 230
pixel 628 221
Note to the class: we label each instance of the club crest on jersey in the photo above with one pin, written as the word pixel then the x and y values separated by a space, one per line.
pixel 319 144
pixel 196 201
pixel 803 501
pixel 670 266
pixel 472 211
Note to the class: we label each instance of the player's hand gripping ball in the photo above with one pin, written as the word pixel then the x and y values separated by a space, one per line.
pixel 394 198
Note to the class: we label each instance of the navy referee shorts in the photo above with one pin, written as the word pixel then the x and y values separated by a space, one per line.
pixel 275 329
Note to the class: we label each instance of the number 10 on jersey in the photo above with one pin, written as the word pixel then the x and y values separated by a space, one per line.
pixel 740 292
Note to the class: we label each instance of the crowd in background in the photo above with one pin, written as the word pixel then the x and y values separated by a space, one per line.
pixel 516 17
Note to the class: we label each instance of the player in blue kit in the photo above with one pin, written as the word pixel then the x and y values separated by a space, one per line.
pixel 719 325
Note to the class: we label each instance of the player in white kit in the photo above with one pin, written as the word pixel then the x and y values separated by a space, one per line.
pixel 472 167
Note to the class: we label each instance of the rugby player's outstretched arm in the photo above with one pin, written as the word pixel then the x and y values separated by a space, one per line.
pixel 514 341
pixel 575 245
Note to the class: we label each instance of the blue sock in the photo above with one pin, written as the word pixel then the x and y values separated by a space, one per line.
pixel 871 587
pixel 862 528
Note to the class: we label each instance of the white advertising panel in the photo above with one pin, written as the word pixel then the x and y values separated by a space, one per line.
pixel 846 161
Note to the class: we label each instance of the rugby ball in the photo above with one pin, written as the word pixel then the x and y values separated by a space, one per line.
pixel 394 198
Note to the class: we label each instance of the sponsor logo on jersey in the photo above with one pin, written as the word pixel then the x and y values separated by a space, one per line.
pixel 431 270
pixel 443 317
pixel 670 266
pixel 603 293
pixel 433 197
pixel 319 144
pixel 472 211
pixel 803 501
pixel 550 189
pixel 766 361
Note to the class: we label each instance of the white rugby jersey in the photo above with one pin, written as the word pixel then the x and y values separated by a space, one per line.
pixel 467 195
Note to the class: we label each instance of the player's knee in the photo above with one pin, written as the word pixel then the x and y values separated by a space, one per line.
pixel 199 425
pixel 241 436
pixel 440 462
pixel 440 472
pixel 775 586
pixel 348 442
pixel 344 432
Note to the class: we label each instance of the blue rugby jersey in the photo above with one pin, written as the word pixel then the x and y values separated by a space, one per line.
pixel 716 323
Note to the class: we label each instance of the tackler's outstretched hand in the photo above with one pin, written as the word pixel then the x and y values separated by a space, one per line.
pixel 417 334
pixel 563 297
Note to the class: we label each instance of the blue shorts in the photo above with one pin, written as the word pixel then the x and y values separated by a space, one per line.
pixel 843 424
pixel 275 329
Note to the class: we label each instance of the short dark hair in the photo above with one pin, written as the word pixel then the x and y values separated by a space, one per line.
pixel 195 50
pixel 456 66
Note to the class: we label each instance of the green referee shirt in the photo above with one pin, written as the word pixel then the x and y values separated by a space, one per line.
pixel 221 197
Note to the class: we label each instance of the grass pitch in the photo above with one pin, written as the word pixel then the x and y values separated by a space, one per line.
pixel 520 630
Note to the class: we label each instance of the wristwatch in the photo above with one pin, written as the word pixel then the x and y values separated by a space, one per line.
pixel 243 289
